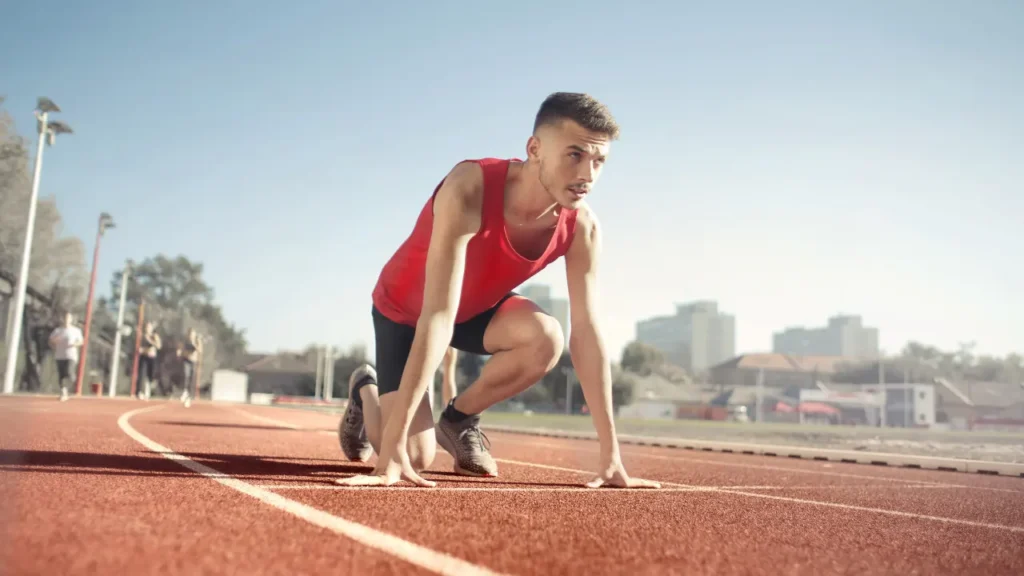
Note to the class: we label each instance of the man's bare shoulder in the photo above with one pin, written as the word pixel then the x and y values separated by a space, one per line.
pixel 458 205
pixel 465 183
pixel 587 224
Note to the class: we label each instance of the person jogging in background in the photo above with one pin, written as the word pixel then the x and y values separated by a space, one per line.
pixel 189 352
pixel 148 350
pixel 65 341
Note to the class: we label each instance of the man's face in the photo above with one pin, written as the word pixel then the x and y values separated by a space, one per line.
pixel 570 158
pixel 68 318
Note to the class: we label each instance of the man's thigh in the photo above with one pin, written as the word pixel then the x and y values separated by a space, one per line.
pixel 514 322
pixel 393 342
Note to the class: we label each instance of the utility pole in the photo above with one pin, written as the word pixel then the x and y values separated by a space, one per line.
pixel 758 406
pixel 116 360
pixel 106 221
pixel 881 385
pixel 329 373
pixel 318 385
pixel 569 381
pixel 48 130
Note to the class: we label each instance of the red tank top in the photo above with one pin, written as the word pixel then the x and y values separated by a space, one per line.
pixel 493 267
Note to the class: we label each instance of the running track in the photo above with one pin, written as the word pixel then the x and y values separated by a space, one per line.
pixel 249 490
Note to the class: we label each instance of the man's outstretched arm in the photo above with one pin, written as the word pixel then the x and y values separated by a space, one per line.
pixel 589 355
pixel 457 215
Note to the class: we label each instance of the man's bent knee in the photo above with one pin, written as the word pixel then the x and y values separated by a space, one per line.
pixel 547 345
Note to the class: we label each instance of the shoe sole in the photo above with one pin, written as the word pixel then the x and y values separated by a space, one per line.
pixel 445 443
pixel 351 458
pixel 341 424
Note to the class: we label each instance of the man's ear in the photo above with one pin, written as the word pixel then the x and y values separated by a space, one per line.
pixel 533 148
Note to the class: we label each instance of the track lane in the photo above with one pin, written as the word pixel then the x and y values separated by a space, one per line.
pixel 723 532
pixel 725 464
pixel 80 497
pixel 538 522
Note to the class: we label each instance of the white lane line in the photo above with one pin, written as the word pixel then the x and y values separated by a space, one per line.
pixel 634 453
pixel 411 489
pixel 885 511
pixel 265 420
pixel 565 489
pixel 631 452
pixel 412 553
pixel 282 423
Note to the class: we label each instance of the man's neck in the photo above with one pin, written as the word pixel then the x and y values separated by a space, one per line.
pixel 526 199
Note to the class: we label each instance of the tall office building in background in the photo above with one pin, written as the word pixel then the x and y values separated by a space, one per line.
pixel 843 336
pixel 697 337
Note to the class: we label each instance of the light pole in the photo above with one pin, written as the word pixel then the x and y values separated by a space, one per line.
pixel 115 361
pixel 329 357
pixel 48 131
pixel 569 373
pixel 319 373
pixel 106 221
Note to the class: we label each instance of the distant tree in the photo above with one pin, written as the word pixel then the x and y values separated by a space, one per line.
pixel 1013 369
pixel 641 358
pixel 177 287
pixel 554 383
pixel 345 365
pixel 673 374
pixel 922 362
pixel 554 387
pixel 623 388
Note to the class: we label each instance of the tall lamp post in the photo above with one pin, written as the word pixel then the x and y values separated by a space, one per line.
pixel 115 361
pixel 106 221
pixel 48 130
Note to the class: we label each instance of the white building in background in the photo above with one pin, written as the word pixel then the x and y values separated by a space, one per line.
pixel 844 336
pixel 696 338
pixel 558 308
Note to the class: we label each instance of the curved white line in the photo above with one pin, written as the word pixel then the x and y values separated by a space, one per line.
pixel 415 554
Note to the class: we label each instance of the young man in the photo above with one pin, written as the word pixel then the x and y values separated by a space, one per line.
pixel 489 226
pixel 65 341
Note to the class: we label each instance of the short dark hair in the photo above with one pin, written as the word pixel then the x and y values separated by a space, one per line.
pixel 583 109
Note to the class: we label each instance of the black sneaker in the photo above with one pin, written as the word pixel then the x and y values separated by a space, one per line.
pixel 351 430
pixel 468 445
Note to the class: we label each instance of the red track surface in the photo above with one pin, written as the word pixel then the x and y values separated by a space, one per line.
pixel 82 496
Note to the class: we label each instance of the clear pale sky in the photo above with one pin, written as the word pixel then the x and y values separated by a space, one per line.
pixel 791 160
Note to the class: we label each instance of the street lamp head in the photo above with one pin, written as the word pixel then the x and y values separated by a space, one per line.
pixel 58 127
pixel 52 129
pixel 45 105
pixel 106 222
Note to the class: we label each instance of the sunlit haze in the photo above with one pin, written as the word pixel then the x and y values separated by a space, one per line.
pixel 789 160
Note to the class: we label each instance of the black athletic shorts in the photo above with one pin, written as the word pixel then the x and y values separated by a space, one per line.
pixel 394 342
pixel 64 368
